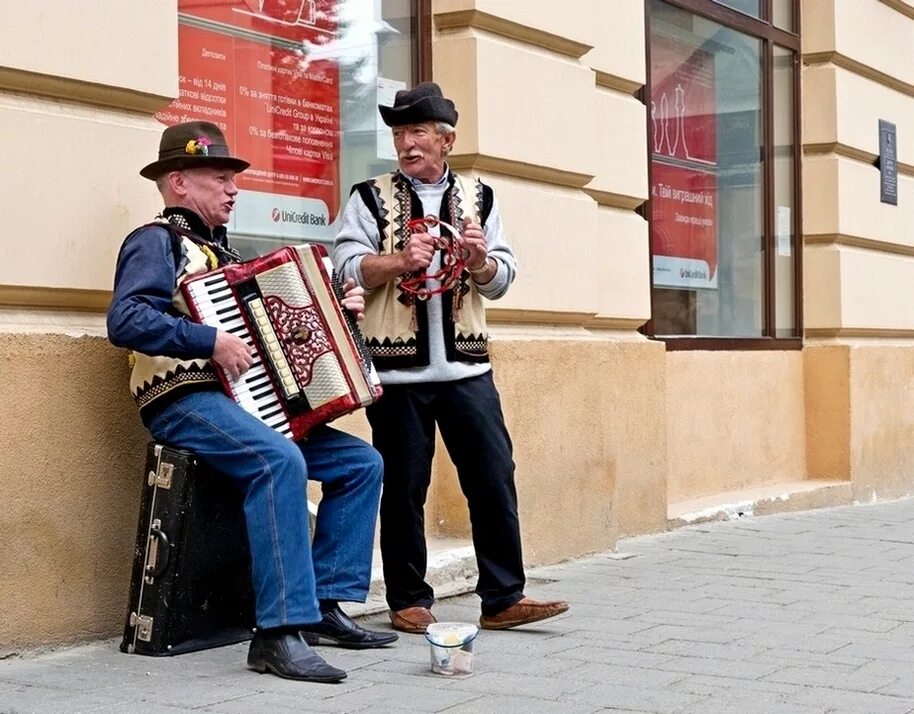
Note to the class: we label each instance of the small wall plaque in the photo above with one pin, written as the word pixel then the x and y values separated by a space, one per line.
pixel 888 163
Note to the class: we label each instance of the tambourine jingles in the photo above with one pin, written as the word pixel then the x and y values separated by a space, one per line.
pixel 453 261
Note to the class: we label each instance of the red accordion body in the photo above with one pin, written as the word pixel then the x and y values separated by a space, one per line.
pixel 310 364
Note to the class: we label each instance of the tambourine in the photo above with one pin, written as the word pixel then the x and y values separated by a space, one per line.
pixel 453 261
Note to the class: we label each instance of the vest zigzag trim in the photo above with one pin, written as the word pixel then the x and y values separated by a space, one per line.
pixel 185 373
pixel 387 348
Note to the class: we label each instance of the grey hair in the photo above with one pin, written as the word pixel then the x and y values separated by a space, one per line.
pixel 445 129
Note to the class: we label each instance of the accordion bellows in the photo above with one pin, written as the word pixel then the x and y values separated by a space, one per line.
pixel 310 363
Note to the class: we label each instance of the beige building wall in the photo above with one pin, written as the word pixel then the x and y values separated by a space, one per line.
pixel 75 124
pixel 859 252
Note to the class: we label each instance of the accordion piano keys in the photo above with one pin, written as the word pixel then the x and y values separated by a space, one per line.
pixel 253 390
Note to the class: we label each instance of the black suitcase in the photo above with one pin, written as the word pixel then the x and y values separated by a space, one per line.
pixel 191 584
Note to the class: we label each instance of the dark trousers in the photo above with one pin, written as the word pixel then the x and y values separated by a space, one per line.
pixel 468 413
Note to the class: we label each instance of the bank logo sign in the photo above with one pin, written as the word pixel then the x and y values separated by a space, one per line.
pixel 300 217
pixel 274 215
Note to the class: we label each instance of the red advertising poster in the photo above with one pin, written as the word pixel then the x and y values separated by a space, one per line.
pixel 683 165
pixel 244 65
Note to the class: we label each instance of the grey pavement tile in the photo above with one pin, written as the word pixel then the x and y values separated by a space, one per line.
pixel 616 611
pixel 881 649
pixel 24 699
pixel 850 621
pixel 873 604
pixel 735 651
pixel 79 677
pixel 892 609
pixel 665 616
pixel 788 657
pixel 626 676
pixel 524 640
pixel 398 698
pixel 901 687
pixel 843 702
pixel 734 669
pixel 145 707
pixel 495 683
pixel 607 624
pixel 612 655
pixel 651 600
pixel 189 691
pixel 783 639
pixel 414 662
pixel 287 702
pixel 811 596
pixel 761 592
pixel 661 633
pixel 416 676
pixel 519 663
pixel 752 703
pixel 611 696
pixel 899 670
pixel 837 678
pixel 519 704
pixel 354 659
pixel 758 611
pixel 708 684
pixel 623 645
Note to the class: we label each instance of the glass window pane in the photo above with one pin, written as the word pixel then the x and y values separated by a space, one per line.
pixel 784 199
pixel 295 85
pixel 750 7
pixel 706 177
pixel 782 14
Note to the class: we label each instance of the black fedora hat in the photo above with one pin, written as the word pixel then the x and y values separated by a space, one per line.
pixel 192 145
pixel 424 102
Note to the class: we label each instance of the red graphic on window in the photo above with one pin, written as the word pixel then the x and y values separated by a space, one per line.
pixel 243 65
pixel 683 165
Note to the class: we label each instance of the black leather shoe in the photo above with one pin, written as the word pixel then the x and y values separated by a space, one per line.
pixel 288 655
pixel 339 629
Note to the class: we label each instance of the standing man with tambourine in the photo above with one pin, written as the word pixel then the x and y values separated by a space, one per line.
pixel 427 245
pixel 297 586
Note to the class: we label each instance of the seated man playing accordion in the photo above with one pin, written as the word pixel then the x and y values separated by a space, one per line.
pixel 297 585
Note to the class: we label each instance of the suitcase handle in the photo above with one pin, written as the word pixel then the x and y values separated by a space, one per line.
pixel 157 550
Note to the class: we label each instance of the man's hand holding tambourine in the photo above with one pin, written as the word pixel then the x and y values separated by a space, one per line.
pixel 473 241
pixel 418 252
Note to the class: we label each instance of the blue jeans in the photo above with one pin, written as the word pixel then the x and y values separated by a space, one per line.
pixel 272 471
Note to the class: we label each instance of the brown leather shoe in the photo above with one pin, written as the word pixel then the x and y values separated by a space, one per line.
pixel 412 619
pixel 523 612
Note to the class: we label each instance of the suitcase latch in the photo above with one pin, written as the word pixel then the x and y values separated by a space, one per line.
pixel 161 477
pixel 143 625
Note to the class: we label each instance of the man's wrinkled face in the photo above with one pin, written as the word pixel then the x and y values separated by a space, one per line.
pixel 421 150
pixel 210 193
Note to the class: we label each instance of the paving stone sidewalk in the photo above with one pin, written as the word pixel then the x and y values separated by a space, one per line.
pixel 797 613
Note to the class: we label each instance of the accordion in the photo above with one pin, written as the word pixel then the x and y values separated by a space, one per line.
pixel 310 363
